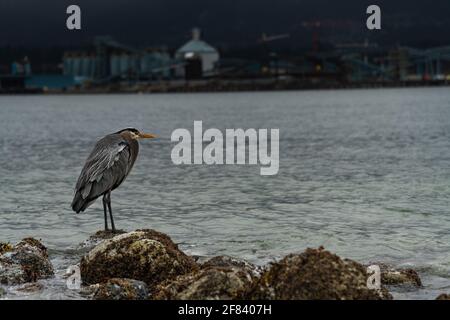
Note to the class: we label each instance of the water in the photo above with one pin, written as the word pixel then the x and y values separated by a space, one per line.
pixel 365 173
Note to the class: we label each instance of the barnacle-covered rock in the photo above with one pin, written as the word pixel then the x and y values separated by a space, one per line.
pixel 97 238
pixel 121 289
pixel 5 247
pixel 144 255
pixel 220 277
pixel 401 276
pixel 27 261
pixel 231 262
pixel 314 274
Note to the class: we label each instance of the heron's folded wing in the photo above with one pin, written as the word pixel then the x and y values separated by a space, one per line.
pixel 107 165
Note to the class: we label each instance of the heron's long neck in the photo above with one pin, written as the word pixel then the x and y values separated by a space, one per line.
pixel 134 147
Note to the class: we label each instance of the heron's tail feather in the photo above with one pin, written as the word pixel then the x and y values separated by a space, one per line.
pixel 79 204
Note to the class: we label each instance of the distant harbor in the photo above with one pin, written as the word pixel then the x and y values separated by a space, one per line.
pixel 237 85
pixel 108 66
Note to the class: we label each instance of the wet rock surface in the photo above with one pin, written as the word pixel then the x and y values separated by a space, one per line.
pixel 314 274
pixel 5 247
pixel 220 277
pixel 27 261
pixel 401 276
pixel 144 255
pixel 121 289
pixel 98 238
pixel 231 262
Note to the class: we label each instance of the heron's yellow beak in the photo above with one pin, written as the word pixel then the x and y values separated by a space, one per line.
pixel 147 136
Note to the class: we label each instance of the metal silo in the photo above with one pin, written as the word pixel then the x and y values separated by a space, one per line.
pixel 77 65
pixel 124 63
pixel 115 64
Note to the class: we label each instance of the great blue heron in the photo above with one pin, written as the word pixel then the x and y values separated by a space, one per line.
pixel 106 168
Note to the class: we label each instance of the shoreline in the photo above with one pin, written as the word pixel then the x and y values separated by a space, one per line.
pixel 213 86
pixel 147 265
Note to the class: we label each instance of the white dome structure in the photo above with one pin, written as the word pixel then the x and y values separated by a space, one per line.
pixel 200 50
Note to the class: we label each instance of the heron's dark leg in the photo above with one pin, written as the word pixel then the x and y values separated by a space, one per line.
pixel 104 210
pixel 110 212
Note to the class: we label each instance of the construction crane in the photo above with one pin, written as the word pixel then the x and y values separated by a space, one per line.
pixel 265 38
pixel 315 27
pixel 269 54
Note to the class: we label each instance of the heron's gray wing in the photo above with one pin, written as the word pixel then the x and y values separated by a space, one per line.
pixel 106 167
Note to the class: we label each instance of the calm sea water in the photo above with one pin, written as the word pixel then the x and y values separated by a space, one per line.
pixel 365 173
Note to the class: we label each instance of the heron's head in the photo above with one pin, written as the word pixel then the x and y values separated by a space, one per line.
pixel 136 134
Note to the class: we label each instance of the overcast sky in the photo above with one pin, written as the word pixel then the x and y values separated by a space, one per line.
pixel 42 22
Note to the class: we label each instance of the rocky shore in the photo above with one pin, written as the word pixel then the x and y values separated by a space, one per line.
pixel 146 264
pixel 25 262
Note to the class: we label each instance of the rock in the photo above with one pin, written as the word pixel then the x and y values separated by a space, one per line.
pixel 27 261
pixel 219 278
pixel 106 234
pixel 121 289
pixel 5 247
pixel 97 238
pixel 443 296
pixel 2 292
pixel 391 276
pixel 227 261
pixel 88 292
pixel 144 255
pixel 315 274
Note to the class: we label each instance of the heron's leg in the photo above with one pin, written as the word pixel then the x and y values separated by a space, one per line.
pixel 110 212
pixel 104 210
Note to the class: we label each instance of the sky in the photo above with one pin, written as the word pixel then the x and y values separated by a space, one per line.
pixel 223 22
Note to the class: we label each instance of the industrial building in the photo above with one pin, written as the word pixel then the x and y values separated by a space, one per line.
pixel 109 60
pixel 199 58
pixel 106 61
pixel 404 64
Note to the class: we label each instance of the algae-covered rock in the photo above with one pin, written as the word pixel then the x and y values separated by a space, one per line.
pixel 27 261
pixel 231 262
pixel 219 278
pixel 97 238
pixel 121 289
pixel 144 255
pixel 392 276
pixel 314 274
pixel 5 247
